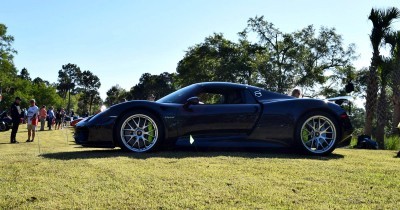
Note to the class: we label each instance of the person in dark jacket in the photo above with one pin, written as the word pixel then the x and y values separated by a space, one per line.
pixel 16 118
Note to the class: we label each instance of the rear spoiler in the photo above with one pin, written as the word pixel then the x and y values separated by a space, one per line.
pixel 342 100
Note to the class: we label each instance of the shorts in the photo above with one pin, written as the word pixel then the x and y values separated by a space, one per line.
pixel 31 127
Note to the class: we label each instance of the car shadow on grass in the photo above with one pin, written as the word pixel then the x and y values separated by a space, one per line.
pixel 177 153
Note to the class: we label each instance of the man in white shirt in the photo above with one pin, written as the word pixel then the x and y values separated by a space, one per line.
pixel 33 112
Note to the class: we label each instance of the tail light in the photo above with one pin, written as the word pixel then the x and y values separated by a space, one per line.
pixel 344 116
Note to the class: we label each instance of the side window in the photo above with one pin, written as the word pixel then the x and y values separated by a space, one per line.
pixel 211 98
pixel 234 97
pixel 222 96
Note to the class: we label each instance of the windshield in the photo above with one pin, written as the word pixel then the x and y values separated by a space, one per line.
pixel 179 96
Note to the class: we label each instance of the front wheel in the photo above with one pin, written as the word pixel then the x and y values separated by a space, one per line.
pixel 317 133
pixel 3 126
pixel 139 132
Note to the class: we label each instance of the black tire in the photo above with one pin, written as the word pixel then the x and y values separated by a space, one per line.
pixel 317 133
pixel 139 131
pixel 3 126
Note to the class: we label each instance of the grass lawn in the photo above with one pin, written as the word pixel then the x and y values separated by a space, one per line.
pixel 66 176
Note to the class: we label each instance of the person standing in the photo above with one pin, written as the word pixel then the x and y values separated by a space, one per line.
pixel 58 119
pixel 42 117
pixel 62 118
pixel 296 93
pixel 50 117
pixel 33 112
pixel 15 115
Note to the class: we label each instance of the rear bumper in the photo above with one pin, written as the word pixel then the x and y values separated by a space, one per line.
pixel 347 131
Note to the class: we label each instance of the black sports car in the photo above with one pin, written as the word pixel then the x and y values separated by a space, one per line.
pixel 219 114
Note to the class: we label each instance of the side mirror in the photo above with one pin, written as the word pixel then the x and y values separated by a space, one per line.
pixel 191 101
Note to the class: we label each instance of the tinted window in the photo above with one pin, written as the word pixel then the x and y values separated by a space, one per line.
pixel 180 96
pixel 221 96
pixel 211 98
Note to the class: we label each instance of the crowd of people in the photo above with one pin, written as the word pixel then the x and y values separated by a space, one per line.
pixel 32 116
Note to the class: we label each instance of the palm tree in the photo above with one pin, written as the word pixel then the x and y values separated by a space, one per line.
pixel 381 20
pixel 385 68
pixel 394 40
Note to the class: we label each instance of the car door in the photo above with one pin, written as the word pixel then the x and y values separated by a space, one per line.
pixel 221 113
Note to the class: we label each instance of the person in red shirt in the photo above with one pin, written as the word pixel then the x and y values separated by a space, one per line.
pixel 42 117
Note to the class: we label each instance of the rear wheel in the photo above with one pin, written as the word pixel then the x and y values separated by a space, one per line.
pixel 317 133
pixel 139 132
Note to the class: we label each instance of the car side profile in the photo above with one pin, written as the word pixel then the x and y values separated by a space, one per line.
pixel 219 114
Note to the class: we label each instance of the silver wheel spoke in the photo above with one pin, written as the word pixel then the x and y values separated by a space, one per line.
pixel 325 130
pixel 322 125
pixel 136 141
pixel 144 141
pixel 312 128
pixel 137 124
pixel 130 139
pixel 325 141
pixel 144 124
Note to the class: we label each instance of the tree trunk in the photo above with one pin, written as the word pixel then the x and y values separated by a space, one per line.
pixel 90 104
pixel 381 117
pixel 370 107
pixel 396 99
pixel 396 115
pixel 69 102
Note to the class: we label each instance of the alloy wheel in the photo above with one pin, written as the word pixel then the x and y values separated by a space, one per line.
pixel 318 134
pixel 139 133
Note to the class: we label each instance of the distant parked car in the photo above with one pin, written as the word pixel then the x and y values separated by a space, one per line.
pixel 75 121
pixel 5 121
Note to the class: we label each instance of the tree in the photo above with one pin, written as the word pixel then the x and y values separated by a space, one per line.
pixel 115 94
pixel 219 59
pixel 394 40
pixel 206 62
pixel 8 72
pixel 91 98
pixel 299 58
pixel 13 84
pixel 381 20
pixel 67 80
pixel 45 94
pixel 6 51
pixel 24 74
pixel 39 80
pixel 336 83
pixel 152 85
pixel 278 61
pixel 89 85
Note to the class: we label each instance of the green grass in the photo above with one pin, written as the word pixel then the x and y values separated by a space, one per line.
pixel 392 142
pixel 66 176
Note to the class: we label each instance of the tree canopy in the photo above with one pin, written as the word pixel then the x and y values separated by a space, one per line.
pixel 277 61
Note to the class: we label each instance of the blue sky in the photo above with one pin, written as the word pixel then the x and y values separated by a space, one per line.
pixel 122 39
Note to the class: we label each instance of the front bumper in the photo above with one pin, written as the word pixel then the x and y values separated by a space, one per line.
pixel 90 135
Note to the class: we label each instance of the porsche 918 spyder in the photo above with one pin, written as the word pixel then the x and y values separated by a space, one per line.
pixel 219 114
